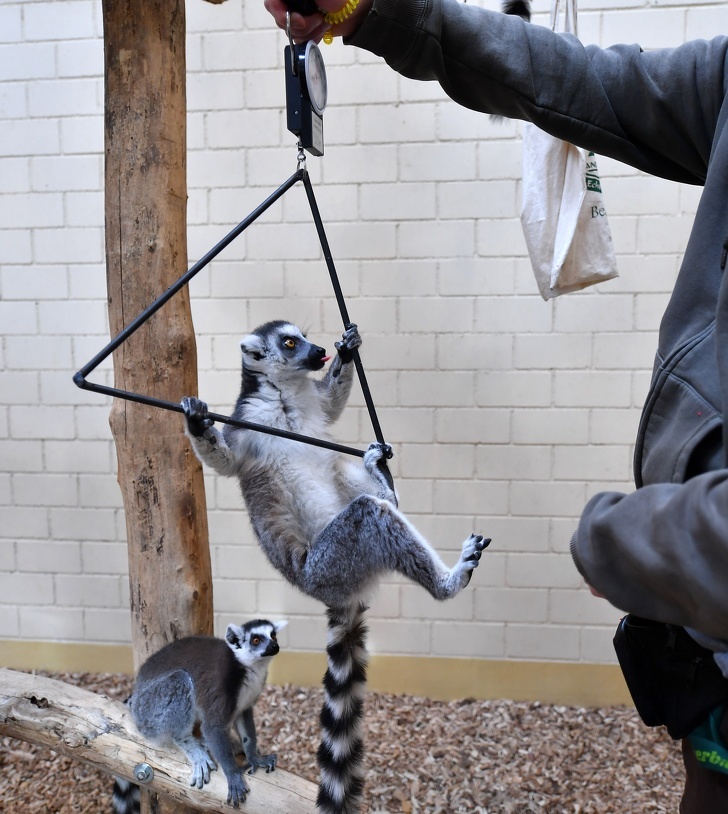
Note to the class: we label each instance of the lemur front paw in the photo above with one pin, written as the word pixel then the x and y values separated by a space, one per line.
pixel 350 340
pixel 473 548
pixel 196 414
pixel 267 762
pixel 236 790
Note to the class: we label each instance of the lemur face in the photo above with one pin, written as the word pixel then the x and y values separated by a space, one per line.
pixel 255 640
pixel 278 346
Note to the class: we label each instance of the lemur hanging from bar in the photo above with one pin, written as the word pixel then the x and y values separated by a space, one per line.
pixel 328 523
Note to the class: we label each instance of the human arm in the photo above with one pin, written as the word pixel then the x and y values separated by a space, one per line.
pixel 654 110
pixel 661 552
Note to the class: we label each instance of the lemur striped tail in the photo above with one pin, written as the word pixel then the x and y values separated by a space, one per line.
pixel 341 753
pixel 125 799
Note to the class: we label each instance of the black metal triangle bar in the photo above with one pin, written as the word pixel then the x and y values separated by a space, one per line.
pixel 342 309
pixel 223 419
pixel 183 280
pixel 80 377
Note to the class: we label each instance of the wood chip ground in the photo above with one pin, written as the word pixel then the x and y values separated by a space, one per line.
pixel 423 757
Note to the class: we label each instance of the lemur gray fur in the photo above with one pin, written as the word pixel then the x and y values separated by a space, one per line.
pixel 328 523
pixel 211 682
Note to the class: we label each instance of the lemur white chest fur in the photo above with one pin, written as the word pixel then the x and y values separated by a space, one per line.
pixel 315 483
pixel 252 686
pixel 312 485
pixel 290 403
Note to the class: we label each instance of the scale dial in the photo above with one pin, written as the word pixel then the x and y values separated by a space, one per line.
pixel 314 74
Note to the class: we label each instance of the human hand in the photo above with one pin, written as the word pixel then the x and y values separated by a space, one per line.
pixel 313 26
pixel 594 592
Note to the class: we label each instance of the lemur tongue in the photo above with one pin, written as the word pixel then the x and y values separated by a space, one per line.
pixel 325 359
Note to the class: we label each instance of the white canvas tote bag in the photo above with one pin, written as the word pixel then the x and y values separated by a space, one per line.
pixel 563 213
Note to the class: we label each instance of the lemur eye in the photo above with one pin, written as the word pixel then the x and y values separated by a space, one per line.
pixel 255 640
pixel 273 635
pixel 289 343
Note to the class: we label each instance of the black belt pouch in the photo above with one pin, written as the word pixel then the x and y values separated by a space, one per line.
pixel 673 681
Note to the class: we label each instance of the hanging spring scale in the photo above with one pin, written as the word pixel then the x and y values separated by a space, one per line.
pixel 306 93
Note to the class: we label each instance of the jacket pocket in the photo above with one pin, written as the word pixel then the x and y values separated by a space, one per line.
pixel 678 426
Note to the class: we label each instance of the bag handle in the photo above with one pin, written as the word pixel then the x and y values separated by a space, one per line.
pixel 570 25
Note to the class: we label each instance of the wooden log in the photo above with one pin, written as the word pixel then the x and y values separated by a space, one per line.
pixel 98 731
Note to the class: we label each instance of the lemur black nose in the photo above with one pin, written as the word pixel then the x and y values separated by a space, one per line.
pixel 272 649
pixel 316 357
pixel 317 354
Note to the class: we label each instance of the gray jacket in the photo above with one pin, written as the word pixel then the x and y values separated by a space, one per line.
pixel 661 551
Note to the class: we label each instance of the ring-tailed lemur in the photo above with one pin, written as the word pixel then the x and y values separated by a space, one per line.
pixel 201 680
pixel 327 523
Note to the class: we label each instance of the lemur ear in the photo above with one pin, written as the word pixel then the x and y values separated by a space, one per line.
pixel 252 344
pixel 234 635
pixel 280 625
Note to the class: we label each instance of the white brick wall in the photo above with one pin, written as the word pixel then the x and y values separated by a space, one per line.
pixel 506 412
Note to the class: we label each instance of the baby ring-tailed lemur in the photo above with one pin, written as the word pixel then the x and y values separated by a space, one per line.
pixel 201 680
pixel 327 523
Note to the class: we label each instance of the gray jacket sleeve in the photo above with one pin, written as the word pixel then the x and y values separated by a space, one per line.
pixel 653 110
pixel 661 552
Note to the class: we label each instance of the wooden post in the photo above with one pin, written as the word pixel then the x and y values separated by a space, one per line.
pixel 98 731
pixel 146 251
